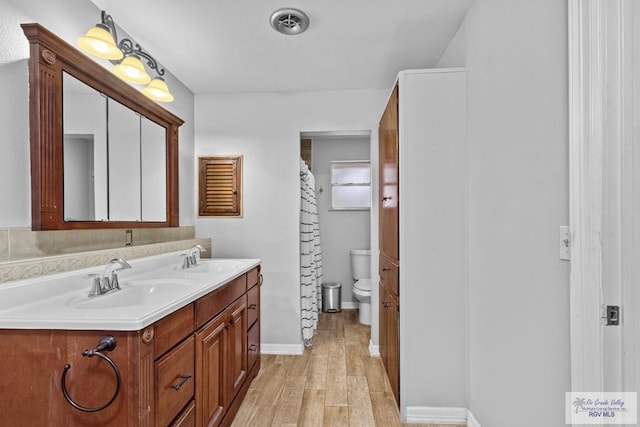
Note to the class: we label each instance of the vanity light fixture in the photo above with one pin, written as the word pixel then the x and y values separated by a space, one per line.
pixel 99 42
pixel 132 70
pixel 102 41
pixel 157 89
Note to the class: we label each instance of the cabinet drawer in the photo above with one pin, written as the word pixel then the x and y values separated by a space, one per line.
pixel 253 305
pixel 174 381
pixel 187 418
pixel 252 277
pixel 389 274
pixel 253 344
pixel 210 305
pixel 172 329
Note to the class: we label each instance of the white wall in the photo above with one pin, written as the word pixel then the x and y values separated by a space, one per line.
pixel 69 19
pixel 265 128
pixel 340 231
pixel 14 134
pixel 516 58
pixel 432 246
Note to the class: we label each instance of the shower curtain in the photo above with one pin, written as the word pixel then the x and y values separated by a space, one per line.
pixel 310 256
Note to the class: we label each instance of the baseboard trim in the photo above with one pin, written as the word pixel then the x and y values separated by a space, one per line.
pixel 349 305
pixel 289 349
pixel 436 415
pixel 374 350
pixel 471 420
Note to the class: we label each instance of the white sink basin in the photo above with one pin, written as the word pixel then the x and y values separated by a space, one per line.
pixel 136 292
pixel 153 288
pixel 216 266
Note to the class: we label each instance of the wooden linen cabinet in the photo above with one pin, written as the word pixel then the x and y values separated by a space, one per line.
pixel 423 237
pixel 388 236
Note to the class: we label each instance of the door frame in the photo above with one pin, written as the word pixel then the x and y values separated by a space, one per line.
pixel 600 134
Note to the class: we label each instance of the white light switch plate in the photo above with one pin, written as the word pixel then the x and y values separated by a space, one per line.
pixel 564 241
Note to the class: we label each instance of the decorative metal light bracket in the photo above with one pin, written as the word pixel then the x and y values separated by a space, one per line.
pixel 128 47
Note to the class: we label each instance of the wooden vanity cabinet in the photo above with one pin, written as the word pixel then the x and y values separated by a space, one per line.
pixel 221 362
pixel 190 368
pixel 253 325
pixel 216 331
pixel 222 355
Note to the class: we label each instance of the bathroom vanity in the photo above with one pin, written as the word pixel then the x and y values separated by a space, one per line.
pixel 187 346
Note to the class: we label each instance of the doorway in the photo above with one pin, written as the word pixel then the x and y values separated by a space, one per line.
pixel 341 228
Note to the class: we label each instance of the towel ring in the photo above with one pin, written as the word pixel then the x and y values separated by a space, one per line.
pixel 107 343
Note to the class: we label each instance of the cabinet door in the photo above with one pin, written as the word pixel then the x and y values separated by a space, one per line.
pixel 237 358
pixel 393 346
pixel 390 339
pixel 389 178
pixel 382 330
pixel 210 371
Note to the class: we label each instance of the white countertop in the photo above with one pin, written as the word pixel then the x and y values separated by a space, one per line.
pixel 153 288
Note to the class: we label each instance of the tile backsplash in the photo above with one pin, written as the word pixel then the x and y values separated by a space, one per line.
pixel 22 243
pixel 25 253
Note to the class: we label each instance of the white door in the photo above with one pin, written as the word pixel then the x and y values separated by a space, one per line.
pixel 604 67
pixel 621 201
pixel 631 285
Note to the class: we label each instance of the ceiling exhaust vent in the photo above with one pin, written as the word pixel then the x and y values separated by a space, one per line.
pixel 289 21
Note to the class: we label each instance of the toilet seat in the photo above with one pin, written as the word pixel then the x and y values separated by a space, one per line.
pixel 363 285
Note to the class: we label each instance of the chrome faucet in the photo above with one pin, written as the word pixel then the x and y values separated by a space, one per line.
pixel 108 280
pixel 191 259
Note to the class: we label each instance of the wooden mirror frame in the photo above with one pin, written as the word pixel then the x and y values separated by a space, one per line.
pixel 50 56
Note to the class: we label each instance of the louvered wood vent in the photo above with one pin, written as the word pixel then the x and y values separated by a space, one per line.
pixel 220 186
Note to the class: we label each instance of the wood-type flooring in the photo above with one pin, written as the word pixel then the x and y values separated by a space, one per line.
pixel 334 383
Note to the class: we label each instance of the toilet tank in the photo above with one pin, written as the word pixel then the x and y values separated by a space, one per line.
pixel 360 263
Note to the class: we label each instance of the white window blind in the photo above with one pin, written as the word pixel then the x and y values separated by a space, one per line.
pixel 351 185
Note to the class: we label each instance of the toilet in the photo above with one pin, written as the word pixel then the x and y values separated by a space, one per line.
pixel 361 272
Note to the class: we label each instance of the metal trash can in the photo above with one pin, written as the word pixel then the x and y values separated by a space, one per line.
pixel 331 296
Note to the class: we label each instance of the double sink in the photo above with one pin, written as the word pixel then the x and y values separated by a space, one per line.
pixel 153 288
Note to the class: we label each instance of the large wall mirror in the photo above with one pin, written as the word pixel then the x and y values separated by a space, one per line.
pixel 103 155
pixel 114 158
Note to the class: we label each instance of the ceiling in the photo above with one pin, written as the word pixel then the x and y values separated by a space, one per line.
pixel 227 46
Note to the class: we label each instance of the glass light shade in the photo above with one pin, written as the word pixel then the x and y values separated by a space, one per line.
pixel 132 70
pixel 158 90
pixel 99 42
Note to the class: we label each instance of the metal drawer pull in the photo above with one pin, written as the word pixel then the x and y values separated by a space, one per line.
pixel 252 306
pixel 253 347
pixel 185 378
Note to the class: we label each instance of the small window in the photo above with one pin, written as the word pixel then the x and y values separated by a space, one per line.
pixel 220 188
pixel 351 185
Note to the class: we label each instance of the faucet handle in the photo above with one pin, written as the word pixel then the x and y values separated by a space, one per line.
pixel 186 261
pixel 114 280
pixel 96 286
